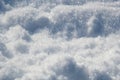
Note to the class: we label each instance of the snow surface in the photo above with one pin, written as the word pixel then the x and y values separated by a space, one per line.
pixel 59 39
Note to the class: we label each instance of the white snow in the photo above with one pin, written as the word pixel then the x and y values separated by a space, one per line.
pixel 60 40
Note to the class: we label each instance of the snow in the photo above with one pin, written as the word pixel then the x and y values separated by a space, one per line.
pixel 60 40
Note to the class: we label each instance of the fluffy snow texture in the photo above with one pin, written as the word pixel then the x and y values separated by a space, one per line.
pixel 59 39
